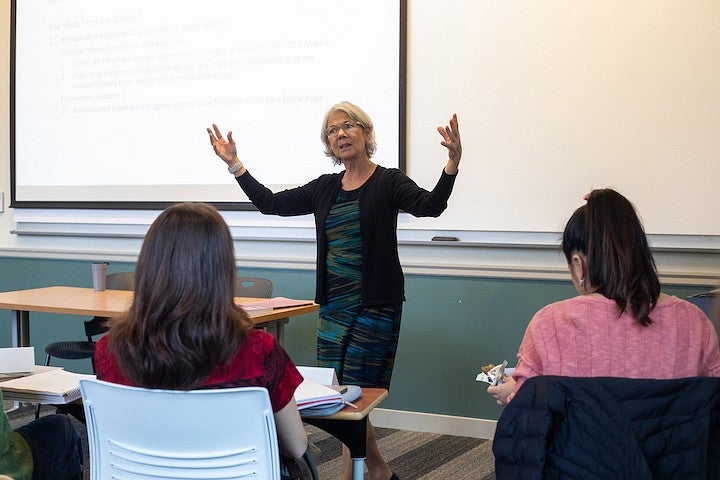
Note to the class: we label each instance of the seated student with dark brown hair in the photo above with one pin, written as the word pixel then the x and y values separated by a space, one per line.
pixel 184 331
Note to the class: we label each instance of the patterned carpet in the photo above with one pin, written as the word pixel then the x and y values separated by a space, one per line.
pixel 415 455
pixel 412 455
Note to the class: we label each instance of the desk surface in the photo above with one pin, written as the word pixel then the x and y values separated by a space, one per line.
pixel 368 400
pixel 110 303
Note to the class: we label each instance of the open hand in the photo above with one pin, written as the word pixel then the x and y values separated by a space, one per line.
pixel 451 139
pixel 225 149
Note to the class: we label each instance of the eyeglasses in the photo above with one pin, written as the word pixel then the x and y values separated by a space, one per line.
pixel 333 130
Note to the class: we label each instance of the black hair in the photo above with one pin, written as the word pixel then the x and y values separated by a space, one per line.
pixel 608 231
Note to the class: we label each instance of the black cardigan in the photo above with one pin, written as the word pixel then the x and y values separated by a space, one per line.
pixel 384 194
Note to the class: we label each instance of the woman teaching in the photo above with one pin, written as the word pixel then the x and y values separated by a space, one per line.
pixel 359 279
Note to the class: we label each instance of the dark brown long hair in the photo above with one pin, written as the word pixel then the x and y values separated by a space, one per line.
pixel 183 322
pixel 608 231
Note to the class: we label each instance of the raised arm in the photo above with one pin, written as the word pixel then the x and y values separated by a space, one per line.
pixel 451 141
pixel 226 150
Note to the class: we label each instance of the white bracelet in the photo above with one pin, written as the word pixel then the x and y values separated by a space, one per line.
pixel 234 168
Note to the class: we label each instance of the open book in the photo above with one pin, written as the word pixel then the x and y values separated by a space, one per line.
pixel 54 386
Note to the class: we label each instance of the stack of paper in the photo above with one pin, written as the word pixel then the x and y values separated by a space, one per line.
pixel 279 302
pixel 256 310
pixel 310 394
pixel 54 386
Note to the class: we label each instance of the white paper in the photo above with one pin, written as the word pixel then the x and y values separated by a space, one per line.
pixel 17 359
pixel 321 375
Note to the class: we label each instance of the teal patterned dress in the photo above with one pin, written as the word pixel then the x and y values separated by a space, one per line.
pixel 359 343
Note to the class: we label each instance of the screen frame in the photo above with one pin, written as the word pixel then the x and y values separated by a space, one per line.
pixel 159 205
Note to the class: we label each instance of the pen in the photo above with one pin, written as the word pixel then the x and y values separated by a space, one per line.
pixel 350 404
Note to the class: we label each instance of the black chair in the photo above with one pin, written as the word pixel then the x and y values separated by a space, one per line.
pixel 253 287
pixel 707 301
pixel 75 350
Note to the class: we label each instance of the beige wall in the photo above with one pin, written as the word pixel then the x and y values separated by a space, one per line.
pixel 531 82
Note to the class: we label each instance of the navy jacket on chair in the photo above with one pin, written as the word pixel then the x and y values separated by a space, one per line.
pixel 610 428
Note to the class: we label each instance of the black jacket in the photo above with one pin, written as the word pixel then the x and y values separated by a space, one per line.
pixel 610 428
pixel 385 193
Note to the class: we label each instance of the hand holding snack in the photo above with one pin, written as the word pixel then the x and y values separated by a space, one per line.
pixel 502 390
pixel 500 380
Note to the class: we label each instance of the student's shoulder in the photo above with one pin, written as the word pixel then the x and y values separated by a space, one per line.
pixel 571 307
pixel 561 305
pixel 672 306
pixel 257 338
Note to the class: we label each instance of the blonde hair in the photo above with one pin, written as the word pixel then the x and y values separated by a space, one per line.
pixel 359 116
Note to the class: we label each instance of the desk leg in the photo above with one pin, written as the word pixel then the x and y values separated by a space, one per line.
pixel 21 328
pixel 353 433
pixel 20 336
pixel 281 330
pixel 277 329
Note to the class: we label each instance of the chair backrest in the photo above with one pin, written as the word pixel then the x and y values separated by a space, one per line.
pixel 253 287
pixel 707 301
pixel 120 281
pixel 139 433
pixel 95 326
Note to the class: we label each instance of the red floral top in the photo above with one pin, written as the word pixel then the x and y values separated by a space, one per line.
pixel 260 362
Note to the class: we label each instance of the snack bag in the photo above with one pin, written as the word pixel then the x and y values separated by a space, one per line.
pixel 492 374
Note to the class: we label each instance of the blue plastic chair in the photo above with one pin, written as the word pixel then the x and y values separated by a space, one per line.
pixel 139 433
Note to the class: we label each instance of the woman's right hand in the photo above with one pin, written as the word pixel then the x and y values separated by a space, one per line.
pixel 225 149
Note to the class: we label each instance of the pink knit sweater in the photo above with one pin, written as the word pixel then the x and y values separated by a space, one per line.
pixel 585 337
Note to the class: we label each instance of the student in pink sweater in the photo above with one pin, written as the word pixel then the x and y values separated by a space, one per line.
pixel 621 324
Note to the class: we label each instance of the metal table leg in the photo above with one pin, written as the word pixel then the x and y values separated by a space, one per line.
pixel 353 433
pixel 21 328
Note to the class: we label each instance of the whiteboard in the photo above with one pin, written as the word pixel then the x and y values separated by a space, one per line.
pixel 558 97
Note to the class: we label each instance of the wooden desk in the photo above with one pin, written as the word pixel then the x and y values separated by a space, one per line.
pixel 108 303
pixel 349 425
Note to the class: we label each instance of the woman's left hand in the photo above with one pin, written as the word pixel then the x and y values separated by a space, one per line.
pixel 451 141
pixel 502 391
